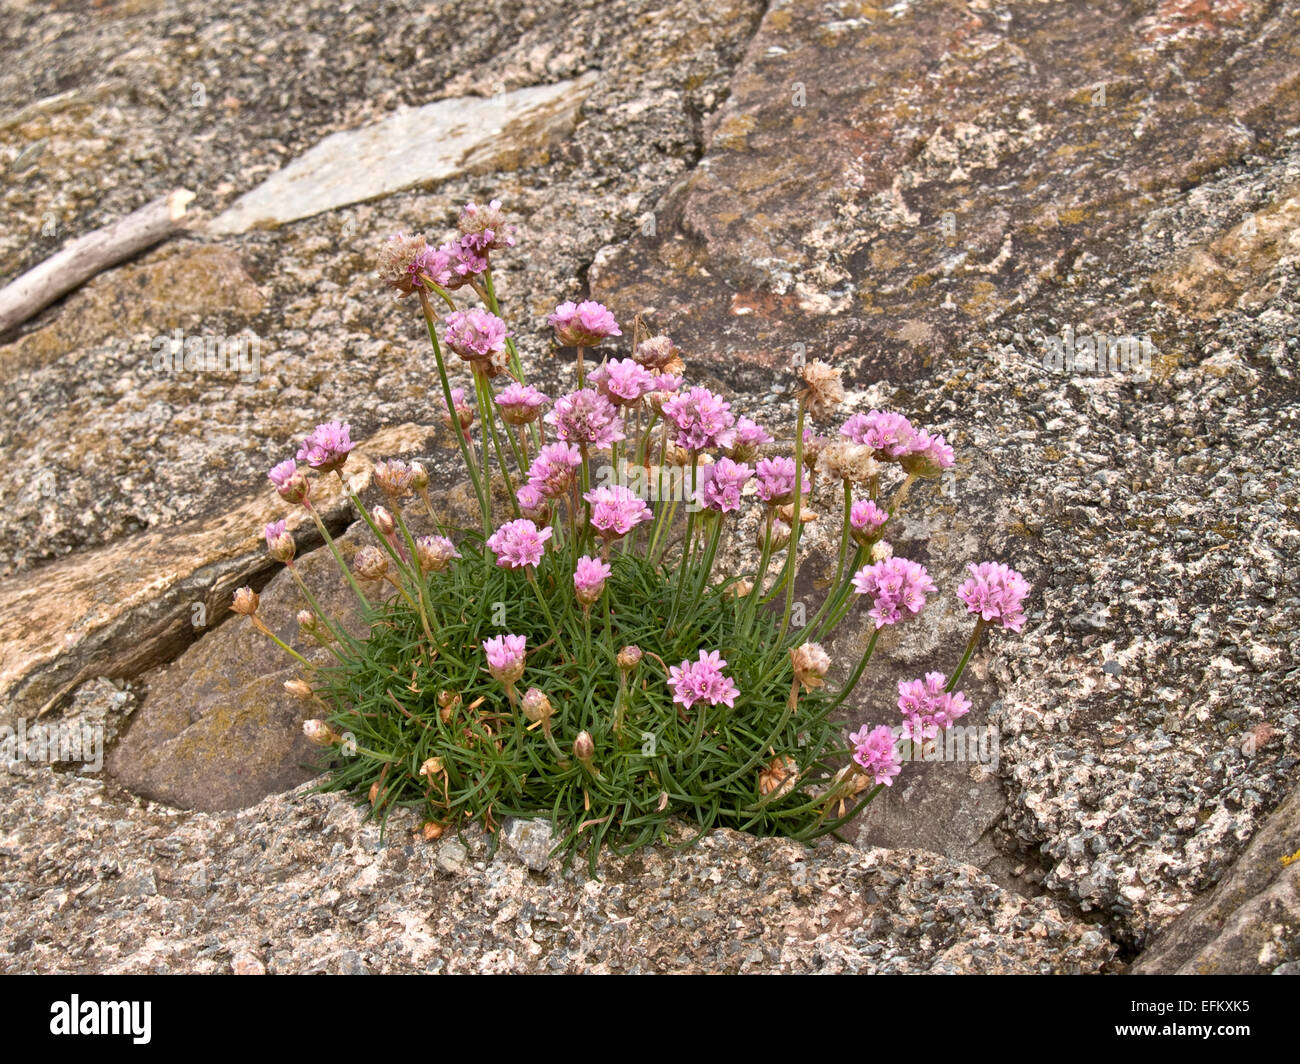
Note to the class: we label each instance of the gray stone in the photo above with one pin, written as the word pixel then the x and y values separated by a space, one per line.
pixel 418 146
pixel 530 840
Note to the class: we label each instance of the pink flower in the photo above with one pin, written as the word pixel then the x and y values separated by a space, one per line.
pixel 520 403
pixel 553 470
pixel 776 480
pixel 466 259
pixel 624 381
pixel 589 578
pixel 929 456
pixel 532 504
pixel 583 324
pixel 722 484
pixel 877 753
pixel 326 449
pixel 997 593
pixel 702 681
pixel 431 264
pixel 505 657
pixel 477 336
pixel 891 435
pixel 586 417
pixel 518 543
pixel 486 226
pixel 464 411
pixel 616 510
pixel 744 439
pixel 894 584
pixel 701 418
pixel 866 519
pixel 928 708
pixel 289 482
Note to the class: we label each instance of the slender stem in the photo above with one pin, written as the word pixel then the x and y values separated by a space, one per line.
pixel 461 442
pixel 257 623
pixel 980 625
pixel 847 689
pixel 791 563
pixel 338 557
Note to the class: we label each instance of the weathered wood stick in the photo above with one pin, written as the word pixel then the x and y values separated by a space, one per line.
pixel 88 255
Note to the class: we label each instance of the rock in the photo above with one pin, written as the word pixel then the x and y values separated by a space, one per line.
pixel 530 840
pixel 1250 922
pixel 123 609
pixel 247 964
pixel 413 147
pixel 217 730
pixel 295 874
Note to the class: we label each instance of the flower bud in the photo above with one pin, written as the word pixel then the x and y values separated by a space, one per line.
pixel 584 748
pixel 629 657
pixel 394 478
pixel 536 706
pixel 384 521
pixel 780 534
pixel 299 688
pixel 319 732
pixel 811 663
pixel 419 477
pixel 279 542
pixel 245 601
pixel 434 553
pixel 806 516
pixel 740 588
pixel 370 563
pixel 881 551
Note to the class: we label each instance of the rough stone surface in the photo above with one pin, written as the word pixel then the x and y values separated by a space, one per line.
pixel 421 146
pixel 1250 923
pixel 301 883
pixel 1147 729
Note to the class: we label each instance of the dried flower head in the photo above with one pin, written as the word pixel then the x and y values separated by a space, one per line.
pixel 656 352
pixel 394 478
pixel 400 261
pixel 822 391
pixel 853 462
pixel 629 657
pixel 320 733
pixel 778 778
pixel 299 689
pixel 584 747
pixel 245 601
pixel 435 553
pixel 370 563
pixel 811 664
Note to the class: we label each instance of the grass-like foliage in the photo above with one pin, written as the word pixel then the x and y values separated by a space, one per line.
pixel 588 660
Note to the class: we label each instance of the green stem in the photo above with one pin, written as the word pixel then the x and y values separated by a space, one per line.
pixel 791 563
pixel 980 625
pixel 338 557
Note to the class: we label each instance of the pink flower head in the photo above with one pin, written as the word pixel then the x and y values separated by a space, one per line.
pixel 583 324
pixel 928 708
pixel 289 482
pixel 891 435
pixel 505 657
pixel 486 226
pixel 520 403
pixel 701 418
pixel 430 264
pixel 589 578
pixel 877 753
pixel 463 411
pixel 518 543
pixel 997 593
pixel 866 519
pixel 722 484
pixel 532 504
pixel 477 336
pixel 553 470
pixel 326 449
pixel 616 510
pixel 929 456
pixel 702 681
pixel 894 584
pixel 745 437
pixel 586 417
pixel 776 480
pixel 467 261
pixel 623 381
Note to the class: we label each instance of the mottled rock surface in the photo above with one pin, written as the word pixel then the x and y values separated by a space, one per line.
pixel 934 196
pixel 301 883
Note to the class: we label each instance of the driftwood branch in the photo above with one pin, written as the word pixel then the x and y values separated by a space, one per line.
pixel 88 255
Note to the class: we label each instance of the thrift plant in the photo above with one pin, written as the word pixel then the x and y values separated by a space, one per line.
pixel 586 660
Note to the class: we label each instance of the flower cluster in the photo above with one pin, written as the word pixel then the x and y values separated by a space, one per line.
pixel 612 589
